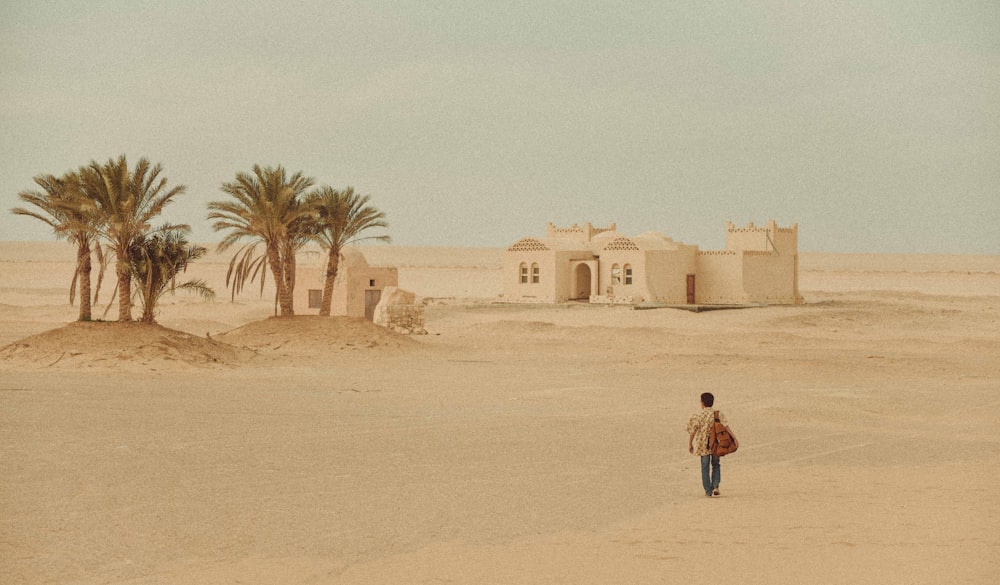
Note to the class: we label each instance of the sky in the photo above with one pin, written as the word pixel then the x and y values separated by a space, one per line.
pixel 875 125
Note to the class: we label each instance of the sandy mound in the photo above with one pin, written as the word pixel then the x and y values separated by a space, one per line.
pixel 311 335
pixel 153 347
pixel 117 345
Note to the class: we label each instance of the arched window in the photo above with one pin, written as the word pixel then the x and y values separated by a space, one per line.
pixel 534 273
pixel 628 274
pixel 616 274
pixel 524 273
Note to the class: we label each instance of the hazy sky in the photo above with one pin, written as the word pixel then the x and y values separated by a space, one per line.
pixel 873 125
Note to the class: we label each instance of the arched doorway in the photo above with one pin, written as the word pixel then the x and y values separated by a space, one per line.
pixel 582 282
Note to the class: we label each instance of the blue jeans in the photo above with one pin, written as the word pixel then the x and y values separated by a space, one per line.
pixel 710 482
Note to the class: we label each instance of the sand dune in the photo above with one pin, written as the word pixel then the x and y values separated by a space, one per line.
pixel 117 346
pixel 513 444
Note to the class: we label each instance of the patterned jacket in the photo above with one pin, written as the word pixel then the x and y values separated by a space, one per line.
pixel 700 424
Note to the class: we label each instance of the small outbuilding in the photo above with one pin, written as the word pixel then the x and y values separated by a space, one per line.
pixel 600 265
pixel 356 290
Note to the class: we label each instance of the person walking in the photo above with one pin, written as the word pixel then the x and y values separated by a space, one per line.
pixel 698 429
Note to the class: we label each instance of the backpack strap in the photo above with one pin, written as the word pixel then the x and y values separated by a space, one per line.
pixel 711 431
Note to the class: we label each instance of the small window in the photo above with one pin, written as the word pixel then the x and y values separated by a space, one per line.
pixel 628 274
pixel 315 298
pixel 616 275
pixel 371 283
pixel 534 274
pixel 524 273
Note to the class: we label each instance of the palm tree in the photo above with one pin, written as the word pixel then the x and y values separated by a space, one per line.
pixel 155 260
pixel 267 208
pixel 126 201
pixel 60 205
pixel 340 218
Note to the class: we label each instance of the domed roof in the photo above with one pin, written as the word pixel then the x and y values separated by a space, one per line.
pixel 351 257
pixel 568 239
pixel 528 245
pixel 655 241
pixel 548 244
pixel 644 241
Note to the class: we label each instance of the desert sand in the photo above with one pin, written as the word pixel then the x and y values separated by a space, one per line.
pixel 513 443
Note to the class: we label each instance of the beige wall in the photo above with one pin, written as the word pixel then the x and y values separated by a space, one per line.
pixel 667 275
pixel 620 258
pixel 309 273
pixel 348 289
pixel 556 276
pixel 746 277
pixel 768 278
pixel 351 286
pixel 768 237
pixel 561 275
pixel 657 275
pixel 746 238
pixel 719 278
pixel 544 290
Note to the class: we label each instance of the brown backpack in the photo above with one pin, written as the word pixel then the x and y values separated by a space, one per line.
pixel 721 441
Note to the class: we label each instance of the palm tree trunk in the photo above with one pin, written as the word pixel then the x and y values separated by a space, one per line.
pixel 148 301
pixel 332 263
pixel 83 274
pixel 147 313
pixel 124 285
pixel 288 297
pixel 277 270
pixel 124 295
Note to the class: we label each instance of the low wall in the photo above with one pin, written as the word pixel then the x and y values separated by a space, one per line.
pixel 406 319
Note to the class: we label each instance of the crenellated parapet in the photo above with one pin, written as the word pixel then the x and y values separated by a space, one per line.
pixel 586 232
pixel 766 238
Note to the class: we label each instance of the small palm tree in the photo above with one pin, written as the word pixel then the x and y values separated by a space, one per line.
pixel 155 260
pixel 61 205
pixel 340 219
pixel 126 202
pixel 266 208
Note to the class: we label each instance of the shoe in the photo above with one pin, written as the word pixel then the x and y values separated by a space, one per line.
pixel 715 492
pixel 708 494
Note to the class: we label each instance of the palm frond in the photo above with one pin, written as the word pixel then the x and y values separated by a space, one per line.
pixel 199 287
pixel 342 217
pixel 102 262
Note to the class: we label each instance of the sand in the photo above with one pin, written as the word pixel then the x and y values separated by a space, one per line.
pixel 513 443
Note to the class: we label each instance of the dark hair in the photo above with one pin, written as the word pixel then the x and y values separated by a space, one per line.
pixel 707 399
